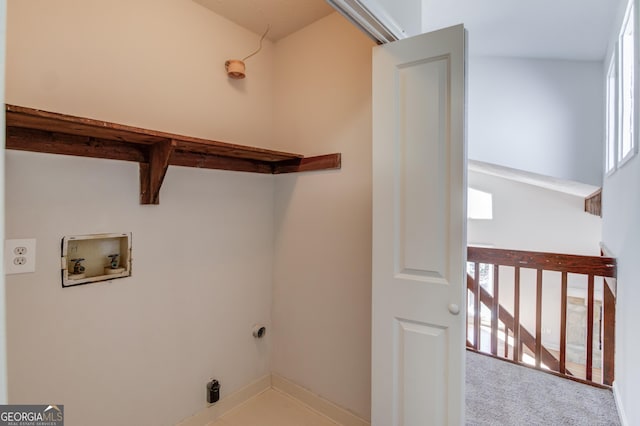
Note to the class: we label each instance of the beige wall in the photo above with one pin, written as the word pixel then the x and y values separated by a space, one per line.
pixel 322 270
pixel 138 351
pixel 147 63
pixel 561 224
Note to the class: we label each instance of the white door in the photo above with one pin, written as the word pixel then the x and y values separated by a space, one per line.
pixel 419 230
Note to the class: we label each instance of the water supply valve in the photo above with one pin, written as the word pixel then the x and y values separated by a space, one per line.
pixel 77 266
pixel 113 263
pixel 213 391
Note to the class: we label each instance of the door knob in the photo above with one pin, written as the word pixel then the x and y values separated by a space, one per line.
pixel 454 309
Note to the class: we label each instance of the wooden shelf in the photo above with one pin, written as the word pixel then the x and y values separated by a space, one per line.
pixel 34 130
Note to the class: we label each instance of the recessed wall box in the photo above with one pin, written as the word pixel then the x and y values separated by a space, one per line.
pixel 92 258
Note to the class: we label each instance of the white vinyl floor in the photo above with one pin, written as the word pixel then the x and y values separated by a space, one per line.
pixel 272 408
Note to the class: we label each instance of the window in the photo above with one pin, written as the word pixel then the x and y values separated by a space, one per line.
pixel 620 143
pixel 479 204
pixel 626 144
pixel 610 142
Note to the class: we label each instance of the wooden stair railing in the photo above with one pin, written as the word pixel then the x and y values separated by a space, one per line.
pixel 593 203
pixel 526 338
pixel 589 266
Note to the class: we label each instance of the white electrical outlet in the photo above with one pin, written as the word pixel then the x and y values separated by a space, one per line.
pixel 19 256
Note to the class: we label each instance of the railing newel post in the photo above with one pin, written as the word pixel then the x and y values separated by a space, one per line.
pixel 494 311
pixel 563 325
pixel 538 318
pixel 609 333
pixel 476 306
pixel 589 342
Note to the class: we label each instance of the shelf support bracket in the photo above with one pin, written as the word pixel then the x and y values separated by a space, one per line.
pixel 152 173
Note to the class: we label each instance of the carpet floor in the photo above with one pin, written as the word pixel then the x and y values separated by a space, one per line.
pixel 501 393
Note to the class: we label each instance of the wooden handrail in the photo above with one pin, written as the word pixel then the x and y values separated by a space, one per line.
pixel 571 263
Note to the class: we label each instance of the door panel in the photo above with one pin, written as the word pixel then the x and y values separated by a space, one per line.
pixel 418 384
pixel 420 100
pixel 419 234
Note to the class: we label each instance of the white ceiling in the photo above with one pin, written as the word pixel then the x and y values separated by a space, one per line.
pixel 569 29
pixel 284 16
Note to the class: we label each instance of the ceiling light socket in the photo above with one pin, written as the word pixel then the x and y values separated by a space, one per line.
pixel 235 69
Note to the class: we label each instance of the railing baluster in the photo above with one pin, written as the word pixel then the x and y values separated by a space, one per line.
pixel 494 312
pixel 538 318
pixel 466 323
pixel 590 297
pixel 506 341
pixel 609 332
pixel 600 328
pixel 516 315
pixel 476 306
pixel 563 325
